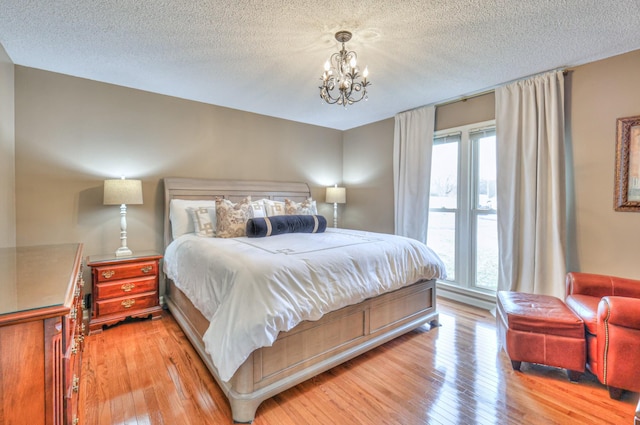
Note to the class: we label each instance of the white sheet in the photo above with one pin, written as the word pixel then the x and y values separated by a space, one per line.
pixel 251 289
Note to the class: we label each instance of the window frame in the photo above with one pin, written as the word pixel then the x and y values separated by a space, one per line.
pixel 466 212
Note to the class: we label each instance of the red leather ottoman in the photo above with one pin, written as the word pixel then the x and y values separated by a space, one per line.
pixel 541 329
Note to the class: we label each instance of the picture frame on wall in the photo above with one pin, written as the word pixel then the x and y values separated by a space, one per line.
pixel 627 181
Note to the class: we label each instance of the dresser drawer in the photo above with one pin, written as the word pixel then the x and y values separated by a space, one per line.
pixel 73 321
pixel 125 271
pixel 127 305
pixel 72 390
pixel 125 288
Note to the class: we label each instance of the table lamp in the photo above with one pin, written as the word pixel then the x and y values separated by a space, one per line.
pixel 336 195
pixel 122 192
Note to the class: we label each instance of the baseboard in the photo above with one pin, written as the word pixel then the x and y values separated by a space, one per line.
pixel 476 299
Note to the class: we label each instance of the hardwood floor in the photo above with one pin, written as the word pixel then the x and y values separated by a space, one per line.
pixel 146 372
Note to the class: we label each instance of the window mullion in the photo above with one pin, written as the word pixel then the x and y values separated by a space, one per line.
pixel 463 230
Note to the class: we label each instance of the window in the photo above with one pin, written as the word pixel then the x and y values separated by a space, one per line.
pixel 462 206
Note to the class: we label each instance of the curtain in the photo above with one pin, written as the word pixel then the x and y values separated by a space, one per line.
pixel 531 185
pixel 412 146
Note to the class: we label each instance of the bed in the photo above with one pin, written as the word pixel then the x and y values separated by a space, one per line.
pixel 311 346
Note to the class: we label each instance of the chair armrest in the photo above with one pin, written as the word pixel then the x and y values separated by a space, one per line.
pixel 618 340
pixel 620 311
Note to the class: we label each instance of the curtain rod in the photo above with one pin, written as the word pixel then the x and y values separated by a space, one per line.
pixel 492 89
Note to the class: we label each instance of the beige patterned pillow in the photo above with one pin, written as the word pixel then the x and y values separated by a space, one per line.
pixel 306 207
pixel 273 207
pixel 231 219
pixel 204 221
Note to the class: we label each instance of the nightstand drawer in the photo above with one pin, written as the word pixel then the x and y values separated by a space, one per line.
pixel 126 271
pixel 127 305
pixel 124 288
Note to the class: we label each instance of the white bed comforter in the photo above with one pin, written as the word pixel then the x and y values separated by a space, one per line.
pixel 251 289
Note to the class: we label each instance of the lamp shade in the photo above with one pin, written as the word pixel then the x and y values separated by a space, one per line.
pixel 121 191
pixel 336 195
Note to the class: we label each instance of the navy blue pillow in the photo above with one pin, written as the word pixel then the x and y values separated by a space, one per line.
pixel 260 227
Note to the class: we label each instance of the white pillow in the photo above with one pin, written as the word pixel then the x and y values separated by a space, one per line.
pixel 181 221
pixel 273 207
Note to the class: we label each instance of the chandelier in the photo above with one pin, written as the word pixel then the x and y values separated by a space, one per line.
pixel 341 79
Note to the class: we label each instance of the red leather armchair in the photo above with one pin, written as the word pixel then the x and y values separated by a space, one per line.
pixel 610 309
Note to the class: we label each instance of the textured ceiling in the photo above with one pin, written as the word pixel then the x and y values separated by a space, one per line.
pixel 267 56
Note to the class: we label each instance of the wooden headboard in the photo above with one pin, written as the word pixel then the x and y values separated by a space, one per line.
pixel 234 190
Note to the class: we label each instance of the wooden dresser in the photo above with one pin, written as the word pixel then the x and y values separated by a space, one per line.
pixel 124 287
pixel 41 334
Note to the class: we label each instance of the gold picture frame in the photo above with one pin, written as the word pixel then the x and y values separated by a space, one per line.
pixel 627 184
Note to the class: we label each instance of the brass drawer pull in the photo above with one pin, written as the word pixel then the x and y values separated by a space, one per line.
pixel 74 347
pixel 76 384
pixel 107 274
pixel 128 303
pixel 127 287
pixel 146 269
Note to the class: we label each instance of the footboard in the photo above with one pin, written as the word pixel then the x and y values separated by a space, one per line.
pixel 311 347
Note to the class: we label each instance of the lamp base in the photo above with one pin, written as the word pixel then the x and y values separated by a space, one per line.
pixel 123 251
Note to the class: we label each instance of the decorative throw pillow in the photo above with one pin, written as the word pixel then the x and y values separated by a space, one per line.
pixel 306 207
pixel 273 207
pixel 231 219
pixel 181 220
pixel 204 221
pixel 277 225
pixel 258 208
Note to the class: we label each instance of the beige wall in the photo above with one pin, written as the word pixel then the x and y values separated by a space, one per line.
pixel 469 111
pixel 7 152
pixel 73 133
pixel 601 239
pixel 368 177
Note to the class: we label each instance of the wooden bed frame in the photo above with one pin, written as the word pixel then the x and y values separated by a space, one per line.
pixel 311 347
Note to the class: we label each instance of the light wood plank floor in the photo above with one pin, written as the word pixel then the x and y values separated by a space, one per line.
pixel 146 372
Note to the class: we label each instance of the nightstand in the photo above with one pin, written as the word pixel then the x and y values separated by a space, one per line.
pixel 124 287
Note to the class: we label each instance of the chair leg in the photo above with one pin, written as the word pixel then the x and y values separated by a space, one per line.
pixel 615 393
pixel 574 375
